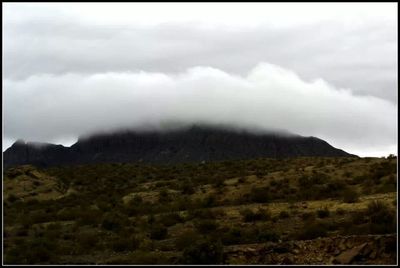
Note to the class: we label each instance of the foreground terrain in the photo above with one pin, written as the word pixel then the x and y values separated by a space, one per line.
pixel 306 210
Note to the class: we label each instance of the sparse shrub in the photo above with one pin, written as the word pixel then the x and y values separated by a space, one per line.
pixel 187 187
pixel 200 214
pixel 203 251
pixel 247 214
pixel 219 183
pixel 87 241
pixel 137 199
pixel 260 194
pixel 334 187
pixel 40 216
pixel 312 230
pixel 206 226
pixel 90 217
pixel 348 174
pixel 122 244
pixel 41 250
pixel 186 239
pixel 114 221
pixel 23 231
pixel 308 216
pixel 350 195
pixel 309 181
pixel 284 214
pixel 232 236
pixel 68 214
pixel 163 196
pixel 250 216
pixel 218 212
pixel 391 156
pixel 382 218
pixel 266 234
pixel 171 219
pixel 323 213
pixel 357 180
pixel 12 198
pixel 358 217
pixel 209 201
pixel 151 219
pixel 340 211
pixel 158 232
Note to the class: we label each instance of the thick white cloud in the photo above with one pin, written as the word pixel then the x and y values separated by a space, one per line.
pixel 61 107
pixel 73 68
pixel 348 45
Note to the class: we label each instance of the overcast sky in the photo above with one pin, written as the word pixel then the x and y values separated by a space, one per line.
pixel 324 70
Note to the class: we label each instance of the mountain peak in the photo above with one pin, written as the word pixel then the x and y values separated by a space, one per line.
pixel 193 144
pixel 19 142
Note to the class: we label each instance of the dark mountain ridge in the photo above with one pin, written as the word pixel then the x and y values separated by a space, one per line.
pixel 193 144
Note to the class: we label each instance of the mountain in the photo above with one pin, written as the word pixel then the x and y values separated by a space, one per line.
pixel 194 144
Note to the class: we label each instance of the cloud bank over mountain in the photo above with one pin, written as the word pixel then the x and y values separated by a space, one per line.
pixel 328 70
pixel 56 107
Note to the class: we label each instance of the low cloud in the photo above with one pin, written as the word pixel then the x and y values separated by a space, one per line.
pixel 61 107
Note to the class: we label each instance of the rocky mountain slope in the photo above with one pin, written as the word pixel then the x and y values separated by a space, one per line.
pixel 195 144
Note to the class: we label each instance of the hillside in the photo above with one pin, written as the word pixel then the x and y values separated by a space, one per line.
pixel 188 145
pixel 304 210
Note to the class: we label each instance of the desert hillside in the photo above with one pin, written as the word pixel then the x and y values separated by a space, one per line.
pixel 305 210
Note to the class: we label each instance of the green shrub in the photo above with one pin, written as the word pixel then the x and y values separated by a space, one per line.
pixel 209 201
pixel 164 196
pixel 158 232
pixel 242 180
pixel 40 216
pixel 186 239
pixel 41 250
pixel 340 211
pixel 323 213
pixel 358 217
pixel 12 198
pixel 203 251
pixel 232 236
pixel 151 219
pixel 307 216
pixel 250 216
pixel 23 231
pixel 260 194
pixel 171 219
pixel 87 240
pixel 312 230
pixel 382 219
pixel 206 226
pixel 114 221
pixel 200 214
pixel 187 187
pixel 90 217
pixel 284 214
pixel 267 234
pixel 122 244
pixel 68 214
pixel 247 214
pixel 350 195
pixel 219 183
